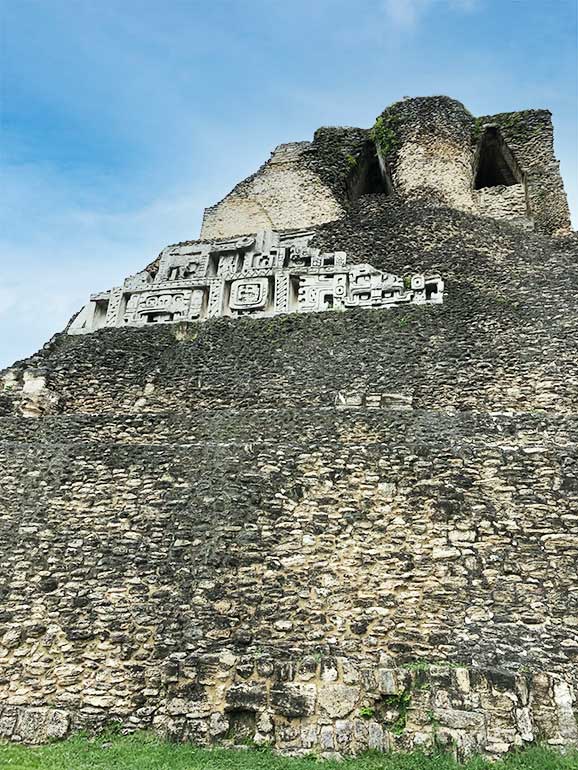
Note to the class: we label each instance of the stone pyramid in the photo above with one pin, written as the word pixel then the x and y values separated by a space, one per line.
pixel 311 480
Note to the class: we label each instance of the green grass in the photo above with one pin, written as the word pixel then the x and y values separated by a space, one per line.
pixel 145 752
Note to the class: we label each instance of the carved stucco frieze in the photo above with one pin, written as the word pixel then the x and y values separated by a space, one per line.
pixel 261 276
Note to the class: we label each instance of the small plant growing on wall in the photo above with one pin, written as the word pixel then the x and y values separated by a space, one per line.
pixel 401 703
pixel 384 134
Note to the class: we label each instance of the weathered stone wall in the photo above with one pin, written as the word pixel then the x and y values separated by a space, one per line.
pixel 283 194
pixel 502 339
pixel 364 530
pixel 432 156
pixel 508 203
pixel 247 528
pixel 429 150
pixel 530 135
pixel 333 706
pixel 269 534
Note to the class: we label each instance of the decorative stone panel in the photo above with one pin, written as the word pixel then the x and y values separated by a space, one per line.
pixel 261 275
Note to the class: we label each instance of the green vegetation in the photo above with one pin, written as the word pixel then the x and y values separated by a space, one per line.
pixel 511 122
pixel 401 704
pixel 513 125
pixel 384 133
pixel 145 752
pixel 351 161
pixel 477 129
pixel 417 665
pixel 366 712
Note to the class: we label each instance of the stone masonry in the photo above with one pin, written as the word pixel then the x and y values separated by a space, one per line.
pixel 429 148
pixel 309 525
pixel 258 277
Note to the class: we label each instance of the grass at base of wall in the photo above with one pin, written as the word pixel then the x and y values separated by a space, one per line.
pixel 143 751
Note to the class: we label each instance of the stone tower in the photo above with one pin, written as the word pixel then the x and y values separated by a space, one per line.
pixel 311 480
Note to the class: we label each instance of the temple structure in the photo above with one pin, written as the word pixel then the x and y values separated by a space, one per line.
pixel 311 480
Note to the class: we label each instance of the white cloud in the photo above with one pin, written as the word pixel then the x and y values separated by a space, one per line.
pixel 406 13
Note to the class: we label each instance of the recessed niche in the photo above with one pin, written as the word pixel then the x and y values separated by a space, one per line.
pixel 368 176
pixel 242 725
pixel 495 166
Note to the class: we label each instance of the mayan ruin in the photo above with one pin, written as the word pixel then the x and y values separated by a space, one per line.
pixel 310 480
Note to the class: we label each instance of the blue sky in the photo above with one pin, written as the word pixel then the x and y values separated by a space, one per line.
pixel 123 119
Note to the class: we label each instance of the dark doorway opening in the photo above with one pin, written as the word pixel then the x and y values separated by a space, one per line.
pixel 495 163
pixel 242 725
pixel 368 176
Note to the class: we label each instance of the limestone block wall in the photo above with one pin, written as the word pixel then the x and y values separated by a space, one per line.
pixel 507 203
pixel 433 155
pixel 280 528
pixel 428 149
pixel 502 339
pixel 283 194
pixel 530 135
pixel 334 706
pixel 138 553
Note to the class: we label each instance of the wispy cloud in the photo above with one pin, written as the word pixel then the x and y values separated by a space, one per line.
pixel 72 250
pixel 406 13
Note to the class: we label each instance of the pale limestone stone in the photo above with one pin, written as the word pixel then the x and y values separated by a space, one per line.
pixel 329 673
pixel 261 275
pixel 387 682
pixel 11 638
pixel 524 722
pixel 8 717
pixel 100 701
pixel 439 166
pixel 460 720
pixel 326 738
pixel 38 725
pixel 441 552
pixel 462 679
pixel 565 702
pixel 265 723
pixel 343 734
pixel 338 700
pixel 283 625
pixel 284 194
pixel 376 738
pixel 309 736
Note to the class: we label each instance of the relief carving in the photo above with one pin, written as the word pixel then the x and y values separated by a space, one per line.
pixel 262 275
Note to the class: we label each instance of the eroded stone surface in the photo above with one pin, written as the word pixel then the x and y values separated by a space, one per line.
pixel 333 718
pixel 283 194
pixel 434 152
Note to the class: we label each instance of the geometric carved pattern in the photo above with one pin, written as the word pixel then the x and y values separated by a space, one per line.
pixel 261 275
